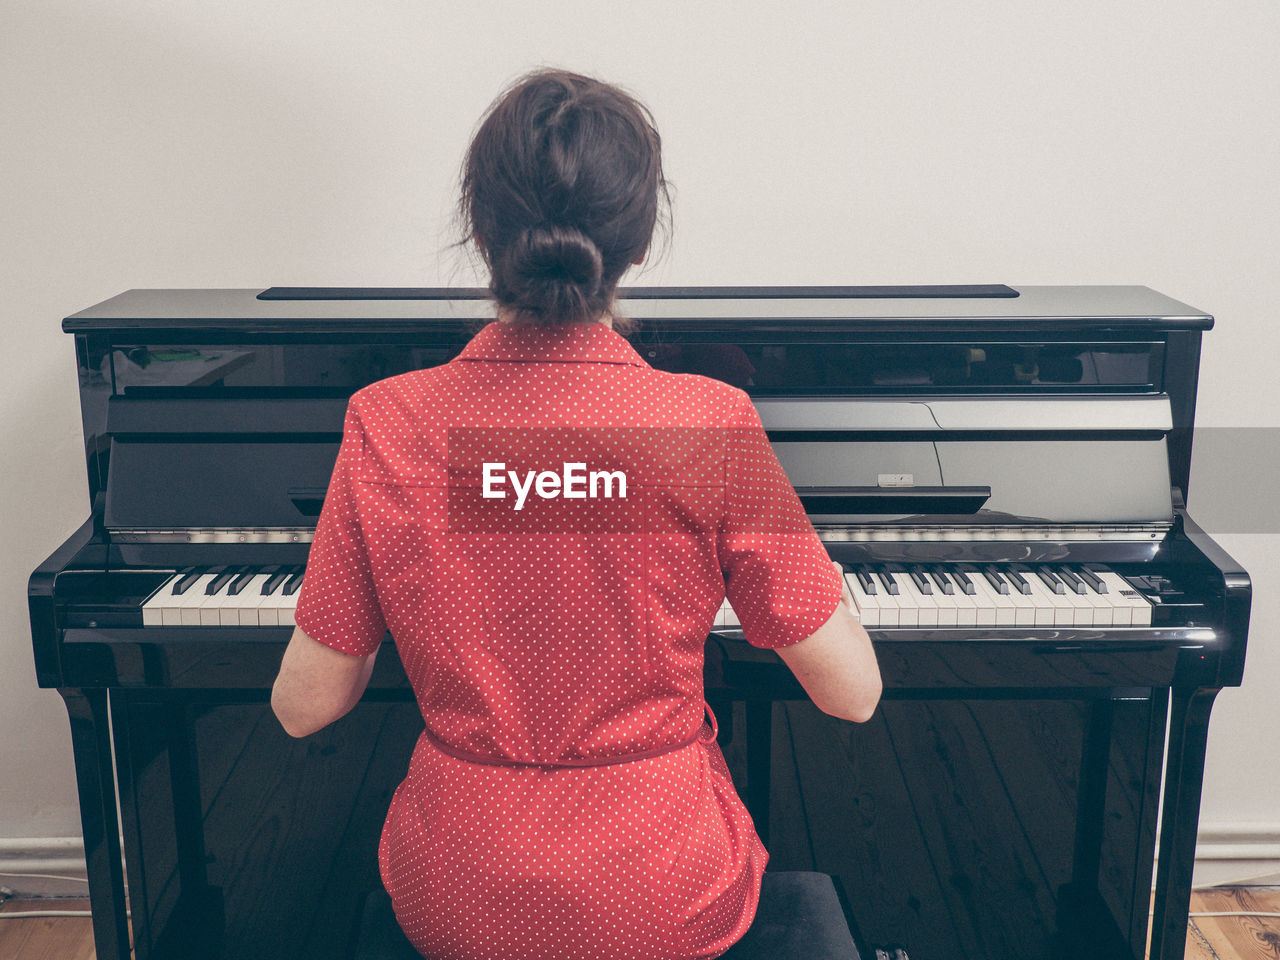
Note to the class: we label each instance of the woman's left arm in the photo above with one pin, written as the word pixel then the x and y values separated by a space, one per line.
pixel 317 684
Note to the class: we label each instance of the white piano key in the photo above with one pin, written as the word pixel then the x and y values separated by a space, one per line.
pixel 153 606
pixel 926 607
pixel 1083 612
pixel 1081 609
pixel 1086 612
pixel 966 608
pixel 250 601
pixel 188 605
pixel 1102 615
pixel 212 609
pixel 1004 612
pixel 948 610
pixel 890 610
pixel 228 605
pixel 1126 597
pixel 1103 612
pixel 984 607
pixel 1060 612
pixel 868 604
pixel 169 605
pixel 1027 612
pixel 1121 611
pixel 277 608
pixel 908 610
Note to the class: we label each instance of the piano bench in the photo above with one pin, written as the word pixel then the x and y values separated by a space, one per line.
pixel 799 918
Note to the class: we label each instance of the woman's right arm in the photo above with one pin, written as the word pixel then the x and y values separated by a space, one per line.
pixel 836 665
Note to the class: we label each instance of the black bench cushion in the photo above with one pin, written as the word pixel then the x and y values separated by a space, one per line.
pixel 799 918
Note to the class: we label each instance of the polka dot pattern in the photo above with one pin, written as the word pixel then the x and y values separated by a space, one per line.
pixel 542 660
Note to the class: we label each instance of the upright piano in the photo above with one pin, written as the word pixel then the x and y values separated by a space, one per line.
pixel 1003 472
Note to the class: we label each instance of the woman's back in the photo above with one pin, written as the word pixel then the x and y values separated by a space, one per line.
pixel 566 788
pixel 540 627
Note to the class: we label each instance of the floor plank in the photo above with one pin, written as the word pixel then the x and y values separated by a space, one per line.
pixel 1239 938
pixel 46 938
pixel 1198 947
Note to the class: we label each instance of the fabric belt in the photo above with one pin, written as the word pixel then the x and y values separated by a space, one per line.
pixel 698 737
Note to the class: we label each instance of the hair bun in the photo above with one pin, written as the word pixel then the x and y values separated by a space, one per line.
pixel 550 251
pixel 551 272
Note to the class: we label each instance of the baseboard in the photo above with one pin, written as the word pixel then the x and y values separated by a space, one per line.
pixel 1236 853
pixel 51 857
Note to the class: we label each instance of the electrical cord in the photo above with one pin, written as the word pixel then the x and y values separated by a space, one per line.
pixel 33 914
pixel 44 876
pixel 1234 913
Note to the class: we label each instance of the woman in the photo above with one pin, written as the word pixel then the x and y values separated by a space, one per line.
pixel 566 797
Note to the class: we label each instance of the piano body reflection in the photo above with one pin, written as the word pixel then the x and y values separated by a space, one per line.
pixel 1003 472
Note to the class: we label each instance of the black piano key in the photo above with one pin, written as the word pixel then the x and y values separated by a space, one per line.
pixel 1071 580
pixel 239 583
pixel 962 576
pixel 867 581
pixel 890 585
pixel 1050 580
pixel 1017 576
pixel 278 576
pixel 995 579
pixel 1092 580
pixel 940 578
pixel 294 582
pixel 225 576
pixel 189 575
pixel 922 580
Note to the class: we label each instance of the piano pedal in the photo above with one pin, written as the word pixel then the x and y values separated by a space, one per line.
pixel 891 953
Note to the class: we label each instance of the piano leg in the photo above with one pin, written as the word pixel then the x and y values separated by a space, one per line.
pixel 1091 802
pixel 1087 924
pixel 1183 780
pixel 194 928
pixel 95 782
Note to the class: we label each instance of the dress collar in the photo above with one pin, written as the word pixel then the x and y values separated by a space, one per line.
pixel 558 343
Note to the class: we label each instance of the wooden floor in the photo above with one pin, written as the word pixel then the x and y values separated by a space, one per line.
pixel 1211 938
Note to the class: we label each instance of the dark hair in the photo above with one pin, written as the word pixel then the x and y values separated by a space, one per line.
pixel 561 190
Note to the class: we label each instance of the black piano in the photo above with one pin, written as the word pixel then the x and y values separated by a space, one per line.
pixel 1003 473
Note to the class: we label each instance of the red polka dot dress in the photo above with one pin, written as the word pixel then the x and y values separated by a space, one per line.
pixel 567 797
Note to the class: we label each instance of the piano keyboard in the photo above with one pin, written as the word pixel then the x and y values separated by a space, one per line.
pixel 225 597
pixel 952 595
pixel 974 595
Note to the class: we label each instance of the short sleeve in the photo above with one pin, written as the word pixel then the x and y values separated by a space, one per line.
pixel 778 576
pixel 337 603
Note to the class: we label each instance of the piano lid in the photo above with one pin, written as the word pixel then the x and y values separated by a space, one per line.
pixel 784 309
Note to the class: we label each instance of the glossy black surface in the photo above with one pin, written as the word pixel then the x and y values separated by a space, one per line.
pixel 1000 805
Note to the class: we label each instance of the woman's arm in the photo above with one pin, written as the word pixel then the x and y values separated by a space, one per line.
pixel 837 664
pixel 317 685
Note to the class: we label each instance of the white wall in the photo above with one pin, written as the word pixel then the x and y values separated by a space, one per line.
pixel 180 143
